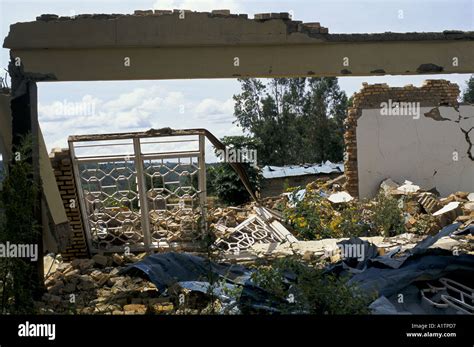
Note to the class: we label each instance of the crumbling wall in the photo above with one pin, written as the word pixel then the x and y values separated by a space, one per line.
pixel 429 144
pixel 63 171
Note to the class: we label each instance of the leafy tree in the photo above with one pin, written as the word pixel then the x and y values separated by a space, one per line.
pixel 468 95
pixel 224 181
pixel 295 120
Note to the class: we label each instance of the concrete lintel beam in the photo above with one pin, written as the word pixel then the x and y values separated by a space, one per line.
pixel 328 59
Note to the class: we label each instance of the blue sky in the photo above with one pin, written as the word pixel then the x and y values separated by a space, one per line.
pixel 139 105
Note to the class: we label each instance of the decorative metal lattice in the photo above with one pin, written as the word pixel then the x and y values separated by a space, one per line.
pixel 251 231
pixel 140 200
pixel 260 227
pixel 173 199
pixel 112 204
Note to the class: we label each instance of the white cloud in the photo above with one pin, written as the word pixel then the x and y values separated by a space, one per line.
pixel 215 110
pixel 135 98
pixel 140 109
pixel 63 109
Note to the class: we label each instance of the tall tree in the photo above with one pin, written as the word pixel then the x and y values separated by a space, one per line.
pixel 468 95
pixel 296 120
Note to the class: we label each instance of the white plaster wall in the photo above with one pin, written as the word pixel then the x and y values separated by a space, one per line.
pixel 420 150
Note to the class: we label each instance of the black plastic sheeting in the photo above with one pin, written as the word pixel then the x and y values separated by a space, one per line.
pixel 196 273
pixel 388 276
pixel 421 248
pixel 385 276
pixel 354 264
pixel 388 281
pixel 166 269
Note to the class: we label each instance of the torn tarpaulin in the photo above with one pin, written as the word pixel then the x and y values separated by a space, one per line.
pixel 355 254
pixel 165 269
pixel 395 262
pixel 196 274
pixel 388 281
pixel 390 277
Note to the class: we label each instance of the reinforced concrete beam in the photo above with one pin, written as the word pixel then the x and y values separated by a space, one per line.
pixel 201 45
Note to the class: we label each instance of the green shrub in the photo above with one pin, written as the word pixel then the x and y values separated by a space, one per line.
pixel 18 202
pixel 311 291
pixel 350 221
pixel 386 215
pixel 315 218
pixel 224 181
pixel 310 217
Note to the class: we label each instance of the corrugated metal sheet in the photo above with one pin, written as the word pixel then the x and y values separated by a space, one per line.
pixel 269 172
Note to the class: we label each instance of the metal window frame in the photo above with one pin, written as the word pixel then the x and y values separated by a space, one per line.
pixel 138 159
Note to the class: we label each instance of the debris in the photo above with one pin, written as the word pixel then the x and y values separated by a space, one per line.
pixel 390 282
pixel 470 197
pixel 468 207
pixel 388 185
pixel 50 264
pixel 82 264
pixel 295 197
pixel 257 232
pixel 448 213
pixel 446 243
pixel 166 269
pixel 408 187
pixel 134 309
pixel 461 300
pixel 337 198
pixel 117 259
pixel 260 227
pixel 270 172
pixel 429 202
pixel 101 260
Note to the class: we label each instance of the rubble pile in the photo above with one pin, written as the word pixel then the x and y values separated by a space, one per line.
pixel 95 286
pixel 323 210
pixel 419 204
pixel 421 213
pixel 251 233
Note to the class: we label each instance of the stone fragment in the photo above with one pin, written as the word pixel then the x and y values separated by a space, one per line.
pixel 101 259
pixel 340 197
pixel 220 12
pixel 134 309
pixel 143 12
pixel 408 187
pixel 47 17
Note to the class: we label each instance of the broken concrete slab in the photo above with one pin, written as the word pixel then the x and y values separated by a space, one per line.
pixel 446 243
pixel 448 213
pixel 340 197
pixel 316 248
pixel 408 187
pixel 388 185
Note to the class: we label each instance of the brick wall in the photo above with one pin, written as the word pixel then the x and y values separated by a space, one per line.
pixel 63 171
pixel 431 93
